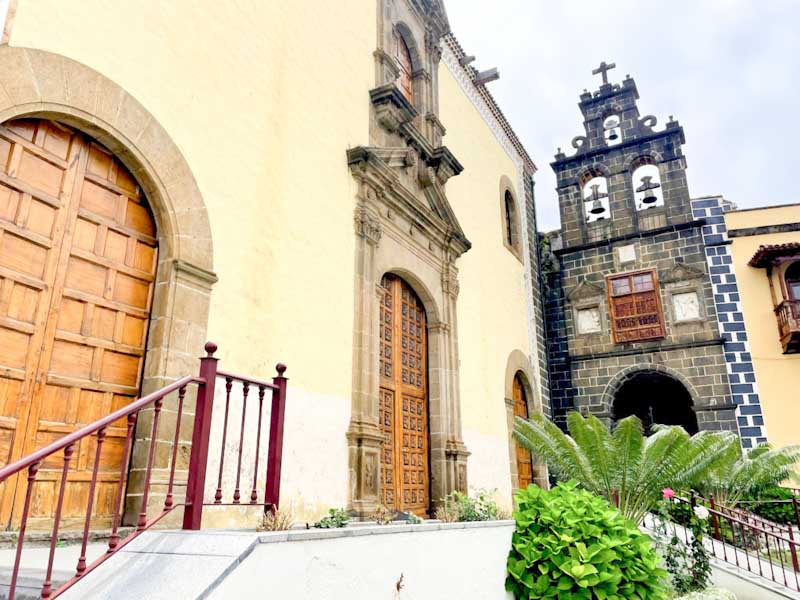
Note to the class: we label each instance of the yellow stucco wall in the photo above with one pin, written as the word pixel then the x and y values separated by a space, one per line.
pixel 778 375
pixel 263 99
pixel 492 317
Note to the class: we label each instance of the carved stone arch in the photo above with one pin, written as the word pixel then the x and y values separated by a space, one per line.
pixel 422 290
pixel 590 172
pixel 615 383
pixel 40 84
pixel 404 31
pixel 649 157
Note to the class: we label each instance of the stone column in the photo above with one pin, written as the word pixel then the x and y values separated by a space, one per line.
pixel 364 434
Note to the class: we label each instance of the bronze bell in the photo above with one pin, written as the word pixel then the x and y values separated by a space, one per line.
pixel 650 198
pixel 597 208
pixel 613 136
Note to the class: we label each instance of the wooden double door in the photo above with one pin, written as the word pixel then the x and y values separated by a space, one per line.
pixel 405 473
pixel 524 458
pixel 78 258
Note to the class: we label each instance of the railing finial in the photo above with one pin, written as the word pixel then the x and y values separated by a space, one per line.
pixel 210 348
pixel 281 368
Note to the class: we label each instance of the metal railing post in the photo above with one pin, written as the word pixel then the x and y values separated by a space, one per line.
pixel 714 517
pixel 272 492
pixel 198 461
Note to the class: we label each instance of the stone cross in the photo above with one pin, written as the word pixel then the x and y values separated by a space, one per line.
pixel 603 70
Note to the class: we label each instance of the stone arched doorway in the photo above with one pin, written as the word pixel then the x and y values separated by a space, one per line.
pixel 94 106
pixel 656 398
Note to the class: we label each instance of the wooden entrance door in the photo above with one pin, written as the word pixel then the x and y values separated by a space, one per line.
pixel 405 475
pixel 524 459
pixel 77 266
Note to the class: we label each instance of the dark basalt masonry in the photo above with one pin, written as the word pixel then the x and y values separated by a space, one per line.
pixel 587 370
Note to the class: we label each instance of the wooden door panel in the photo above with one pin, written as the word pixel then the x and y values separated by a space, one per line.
pixel 403 399
pixel 524 458
pixel 77 242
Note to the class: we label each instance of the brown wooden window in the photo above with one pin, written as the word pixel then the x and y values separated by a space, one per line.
pixel 403 55
pixel 635 303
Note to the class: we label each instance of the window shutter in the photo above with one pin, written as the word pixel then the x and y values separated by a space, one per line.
pixel 635 303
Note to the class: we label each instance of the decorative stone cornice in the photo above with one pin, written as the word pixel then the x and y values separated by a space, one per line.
pixel 681 272
pixel 445 164
pixel 392 108
pixel 378 169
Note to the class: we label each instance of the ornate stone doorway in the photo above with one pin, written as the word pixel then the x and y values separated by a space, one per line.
pixel 405 473
pixel 655 398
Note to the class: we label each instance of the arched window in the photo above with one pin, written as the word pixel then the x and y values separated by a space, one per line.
pixel 612 130
pixel 511 237
pixel 403 55
pixel 792 279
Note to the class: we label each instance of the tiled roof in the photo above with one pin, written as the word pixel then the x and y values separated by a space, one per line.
pixel 765 255
pixel 486 95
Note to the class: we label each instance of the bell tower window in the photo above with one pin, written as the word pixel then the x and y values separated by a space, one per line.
pixel 612 130
pixel 595 199
pixel 647 187
pixel 403 55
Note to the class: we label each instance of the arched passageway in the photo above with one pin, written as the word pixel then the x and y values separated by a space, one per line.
pixel 655 398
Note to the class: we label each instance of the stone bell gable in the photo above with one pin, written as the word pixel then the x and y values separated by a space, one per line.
pixel 631 309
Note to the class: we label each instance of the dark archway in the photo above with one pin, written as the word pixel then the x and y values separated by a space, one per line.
pixel 655 398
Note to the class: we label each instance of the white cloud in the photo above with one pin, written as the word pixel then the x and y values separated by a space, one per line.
pixel 726 69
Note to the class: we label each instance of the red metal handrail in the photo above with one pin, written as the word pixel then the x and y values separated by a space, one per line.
pixel 198 461
pixel 747 540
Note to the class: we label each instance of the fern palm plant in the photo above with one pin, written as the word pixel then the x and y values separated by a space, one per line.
pixel 623 465
pixel 737 474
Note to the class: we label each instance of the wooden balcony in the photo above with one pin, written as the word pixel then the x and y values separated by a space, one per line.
pixel 788 315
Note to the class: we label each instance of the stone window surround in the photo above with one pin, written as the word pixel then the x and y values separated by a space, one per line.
pixel 516 249
pixel 681 280
pixel 41 84
pixel 585 296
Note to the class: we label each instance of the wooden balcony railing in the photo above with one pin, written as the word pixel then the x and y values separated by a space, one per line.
pixel 788 315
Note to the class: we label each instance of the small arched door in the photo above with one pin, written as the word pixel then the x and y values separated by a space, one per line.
pixel 524 458
pixel 78 257
pixel 405 475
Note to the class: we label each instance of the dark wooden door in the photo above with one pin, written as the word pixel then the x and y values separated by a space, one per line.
pixel 524 459
pixel 405 475
pixel 78 258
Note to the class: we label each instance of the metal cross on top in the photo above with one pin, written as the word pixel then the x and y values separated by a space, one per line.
pixel 603 70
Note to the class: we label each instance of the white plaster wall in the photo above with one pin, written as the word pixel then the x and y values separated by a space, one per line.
pixel 467 564
pixel 308 438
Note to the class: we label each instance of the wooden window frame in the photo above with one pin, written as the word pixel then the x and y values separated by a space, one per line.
pixel 406 75
pixel 512 235
pixel 610 296
pixel 790 295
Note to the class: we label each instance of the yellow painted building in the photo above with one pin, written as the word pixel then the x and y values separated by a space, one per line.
pixel 766 257
pixel 302 164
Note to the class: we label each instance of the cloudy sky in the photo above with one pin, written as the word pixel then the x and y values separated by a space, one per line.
pixel 728 70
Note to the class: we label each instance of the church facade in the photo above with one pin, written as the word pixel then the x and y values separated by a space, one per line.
pixel 347 199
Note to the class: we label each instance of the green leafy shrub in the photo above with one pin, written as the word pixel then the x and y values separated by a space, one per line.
pixel 337 517
pixel 782 513
pixel 460 507
pixel 569 543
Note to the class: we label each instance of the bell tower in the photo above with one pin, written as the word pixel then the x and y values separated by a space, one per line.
pixel 626 176
pixel 632 324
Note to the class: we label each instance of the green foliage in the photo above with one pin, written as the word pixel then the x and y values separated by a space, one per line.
pixel 736 474
pixel 776 511
pixel 688 565
pixel 337 518
pixel 569 543
pixel 460 507
pixel 623 464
